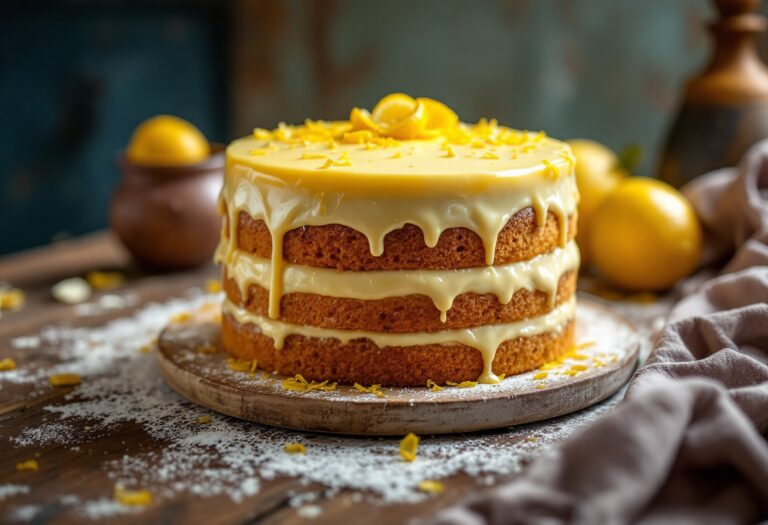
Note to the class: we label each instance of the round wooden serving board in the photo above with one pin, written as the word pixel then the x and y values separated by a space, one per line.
pixel 206 379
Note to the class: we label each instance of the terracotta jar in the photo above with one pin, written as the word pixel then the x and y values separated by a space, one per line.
pixel 167 215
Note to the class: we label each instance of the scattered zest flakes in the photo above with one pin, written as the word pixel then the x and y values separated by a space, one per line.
pixel 207 348
pixel 105 280
pixel 181 317
pixel 7 364
pixel 140 498
pixel 373 389
pixel 240 365
pixel 213 286
pixel 342 161
pixel 431 487
pixel 299 384
pixel 490 155
pixel 554 172
pixel 28 466
pixel 408 447
pixel 450 152
pixel 579 368
pixel 434 387
pixel 313 156
pixel 397 155
pixel 295 448
pixel 463 384
pixel 540 375
pixel 586 344
pixel 64 379
pixel 203 420
pixel 12 299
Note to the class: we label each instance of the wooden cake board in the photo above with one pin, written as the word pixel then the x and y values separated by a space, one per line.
pixel 605 356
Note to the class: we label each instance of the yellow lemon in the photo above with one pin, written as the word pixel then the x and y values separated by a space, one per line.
pixel 597 174
pixel 645 235
pixel 401 116
pixel 165 140
pixel 439 116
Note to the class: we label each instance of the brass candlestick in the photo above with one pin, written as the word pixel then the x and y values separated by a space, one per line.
pixel 725 108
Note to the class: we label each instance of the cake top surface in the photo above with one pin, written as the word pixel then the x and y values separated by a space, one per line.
pixel 403 141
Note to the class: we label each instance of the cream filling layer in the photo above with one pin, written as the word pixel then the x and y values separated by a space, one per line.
pixel 441 286
pixel 486 339
pixel 286 205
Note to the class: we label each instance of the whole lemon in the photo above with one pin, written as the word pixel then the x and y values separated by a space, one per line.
pixel 645 235
pixel 597 174
pixel 166 140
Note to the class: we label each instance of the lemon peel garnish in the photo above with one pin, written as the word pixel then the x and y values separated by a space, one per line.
pixel 139 498
pixel 408 447
pixel 313 156
pixel 431 487
pixel 64 379
pixel 7 364
pixel 295 448
pixel 554 171
pixel 540 375
pixel 30 465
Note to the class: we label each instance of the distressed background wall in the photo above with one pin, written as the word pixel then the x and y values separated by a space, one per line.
pixel 77 76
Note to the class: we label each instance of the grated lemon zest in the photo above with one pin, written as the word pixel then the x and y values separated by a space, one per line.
pixel 64 379
pixel 373 389
pixel 31 465
pixel 579 368
pixel 299 384
pixel 490 155
pixel 313 156
pixel 213 286
pixel 181 317
pixel 450 152
pixel 239 365
pixel 7 364
pixel 295 448
pixel 540 375
pixel 139 498
pixel 207 348
pixel 431 487
pixel 554 172
pixel 408 447
pixel 463 384
pixel 12 299
pixel 203 420
pixel 433 386
pixel 104 280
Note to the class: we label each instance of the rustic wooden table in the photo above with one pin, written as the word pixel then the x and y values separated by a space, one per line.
pixel 82 471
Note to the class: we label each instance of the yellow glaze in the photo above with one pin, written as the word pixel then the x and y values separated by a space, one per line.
pixel 441 286
pixel 485 339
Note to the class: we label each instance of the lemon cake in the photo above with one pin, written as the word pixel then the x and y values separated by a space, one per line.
pixel 398 247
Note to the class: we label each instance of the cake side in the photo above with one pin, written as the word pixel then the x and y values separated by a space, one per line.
pixel 323 272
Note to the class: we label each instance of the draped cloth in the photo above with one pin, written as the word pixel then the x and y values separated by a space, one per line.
pixel 688 442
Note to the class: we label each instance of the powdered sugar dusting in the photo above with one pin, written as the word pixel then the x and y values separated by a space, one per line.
pixel 122 384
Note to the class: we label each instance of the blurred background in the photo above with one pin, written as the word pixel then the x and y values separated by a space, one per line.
pixel 77 76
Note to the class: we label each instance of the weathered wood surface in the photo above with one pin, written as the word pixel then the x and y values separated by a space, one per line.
pixel 82 472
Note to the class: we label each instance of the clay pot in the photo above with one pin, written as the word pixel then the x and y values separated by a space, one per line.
pixel 167 215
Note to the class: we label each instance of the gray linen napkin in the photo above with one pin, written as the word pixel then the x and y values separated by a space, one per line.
pixel 688 443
